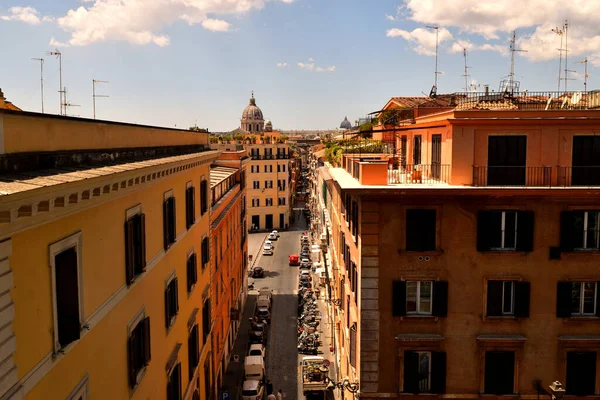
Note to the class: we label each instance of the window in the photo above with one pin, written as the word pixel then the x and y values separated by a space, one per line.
pixel 207 379
pixel 255 202
pixel 353 345
pixel 403 151
pixel 417 150
pixel 281 201
pixel 499 372
pixel 420 230
pixel 420 298
pixel 203 196
pixel 281 167
pixel 205 252
pixel 138 348
pixel 174 383
pixel 192 272
pixel 255 185
pixel 190 214
pixel 505 231
pixel 268 201
pixel 424 372
pixel 169 220
pixel 171 301
pixel 581 373
pixel 580 231
pixel 135 245
pixel 508 298
pixel 269 184
pixel 206 320
pixel 65 258
pixel 354 221
pixel 81 392
pixel 583 298
pixel 193 350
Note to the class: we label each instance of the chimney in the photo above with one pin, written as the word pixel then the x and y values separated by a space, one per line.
pixel 487 89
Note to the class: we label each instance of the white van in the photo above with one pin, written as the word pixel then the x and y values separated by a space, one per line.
pixel 254 368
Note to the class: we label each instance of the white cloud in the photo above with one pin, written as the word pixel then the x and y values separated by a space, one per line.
pixel 390 17
pixel 56 43
pixel 216 25
pixel 311 66
pixel 311 59
pixel 533 20
pixel 141 22
pixel 28 15
pixel 459 45
pixel 282 64
pixel 423 40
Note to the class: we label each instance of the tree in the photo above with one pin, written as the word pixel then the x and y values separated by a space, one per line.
pixel 197 129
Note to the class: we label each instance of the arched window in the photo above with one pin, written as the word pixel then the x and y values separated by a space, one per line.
pixel 249 128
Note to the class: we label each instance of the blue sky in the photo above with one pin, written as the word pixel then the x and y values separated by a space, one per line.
pixel 170 64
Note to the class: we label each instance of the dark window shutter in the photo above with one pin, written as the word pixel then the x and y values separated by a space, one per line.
pixel 438 372
pixel 168 306
pixel 420 230
pixel 525 231
pixel 143 241
pixel 67 296
pixel 146 354
pixel 398 298
pixel 172 218
pixel 581 373
pixel 189 274
pixel 195 267
pixel 411 372
pixel 568 234
pixel 129 251
pixel 188 208
pixel 440 298
pixel 166 224
pixel 174 292
pixel 494 298
pixel 563 299
pixel 132 349
pixel 484 230
pixel 522 299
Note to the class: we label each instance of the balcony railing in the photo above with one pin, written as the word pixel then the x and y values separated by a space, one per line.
pixel 485 175
pixel 421 173
pixel 283 156
pixel 255 156
pixel 578 176
pixel 528 101
pixel 269 157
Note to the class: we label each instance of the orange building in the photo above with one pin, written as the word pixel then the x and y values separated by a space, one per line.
pixel 230 248
pixel 466 261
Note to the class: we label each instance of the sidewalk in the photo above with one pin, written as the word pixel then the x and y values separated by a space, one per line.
pixel 255 244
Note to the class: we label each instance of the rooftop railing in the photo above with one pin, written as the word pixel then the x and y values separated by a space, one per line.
pixel 428 174
pixel 528 101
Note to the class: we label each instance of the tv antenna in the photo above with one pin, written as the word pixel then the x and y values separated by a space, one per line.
pixel 41 60
pixel 585 74
pixel 67 104
pixel 466 74
pixel 61 90
pixel 560 33
pixel 433 92
pixel 566 30
pixel 94 95
pixel 512 84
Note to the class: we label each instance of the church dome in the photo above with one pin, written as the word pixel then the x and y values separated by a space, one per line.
pixel 252 112
pixel 345 124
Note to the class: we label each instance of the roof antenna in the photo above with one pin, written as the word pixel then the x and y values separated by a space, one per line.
pixel 566 29
pixel 41 60
pixel 560 33
pixel 94 95
pixel 585 74
pixel 466 75
pixel 510 85
pixel 61 90
pixel 433 92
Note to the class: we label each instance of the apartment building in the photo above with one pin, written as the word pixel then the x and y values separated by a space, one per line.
pixel 105 260
pixel 230 252
pixel 465 262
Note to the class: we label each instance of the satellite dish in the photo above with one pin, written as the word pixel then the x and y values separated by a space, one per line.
pixel 549 101
pixel 576 98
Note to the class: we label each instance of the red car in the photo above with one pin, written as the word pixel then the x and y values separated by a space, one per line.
pixel 294 259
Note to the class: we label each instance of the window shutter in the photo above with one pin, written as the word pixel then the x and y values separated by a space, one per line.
pixel 438 372
pixel 67 297
pixel 525 231
pixel 172 218
pixel 168 306
pixel 567 231
pixel 398 298
pixel 195 267
pixel 563 299
pixel 189 208
pixel 166 224
pixel 440 298
pixel 494 298
pixel 146 355
pixel 143 240
pixel 129 251
pixel 484 227
pixel 132 359
pixel 522 299
pixel 175 292
pixel 189 274
pixel 411 373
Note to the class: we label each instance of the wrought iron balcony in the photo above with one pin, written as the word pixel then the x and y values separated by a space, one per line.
pixel 578 176
pixel 538 176
pixel 420 174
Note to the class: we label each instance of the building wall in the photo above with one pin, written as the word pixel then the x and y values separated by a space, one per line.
pixel 109 305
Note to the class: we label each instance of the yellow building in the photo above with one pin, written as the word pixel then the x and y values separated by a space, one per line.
pixel 105 256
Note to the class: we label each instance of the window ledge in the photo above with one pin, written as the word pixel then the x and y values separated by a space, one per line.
pixel 438 252
pixel 417 317
pixel 505 252
pixel 590 318
pixel 501 318
pixel 581 253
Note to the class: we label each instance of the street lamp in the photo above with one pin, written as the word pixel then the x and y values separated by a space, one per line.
pixel 557 390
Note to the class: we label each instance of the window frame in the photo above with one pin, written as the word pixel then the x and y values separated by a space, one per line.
pixel 585 230
pixel 138 270
pixel 131 326
pixel 82 390
pixel 166 197
pixel 172 277
pixel 437 228
pixel 190 286
pixel 190 209
pixel 74 240
pixel 581 312
pixel 418 298
pixel 512 298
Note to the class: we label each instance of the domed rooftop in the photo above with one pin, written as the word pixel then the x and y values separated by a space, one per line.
pixel 252 112
pixel 345 124
pixel 268 122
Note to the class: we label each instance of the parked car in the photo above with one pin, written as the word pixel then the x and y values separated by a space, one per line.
pixel 263 301
pixel 263 314
pixel 252 390
pixel 256 337
pixel 267 251
pixel 272 236
pixel 258 272
pixel 275 233
pixel 260 326
pixel 305 254
pixel 269 243
pixel 305 263
pixel 257 350
pixel 305 273
pixel 254 368
pixel 265 291
pixel 294 259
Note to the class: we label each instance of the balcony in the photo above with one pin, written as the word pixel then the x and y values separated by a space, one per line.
pixel 538 176
pixel 578 176
pixel 255 156
pixel 269 157
pixel 428 174
pixel 283 156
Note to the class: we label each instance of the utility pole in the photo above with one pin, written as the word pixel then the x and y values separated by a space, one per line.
pixel 41 60
pixel 94 95
pixel 437 32
pixel 61 90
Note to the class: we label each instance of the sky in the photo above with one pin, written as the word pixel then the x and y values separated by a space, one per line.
pixel 310 63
